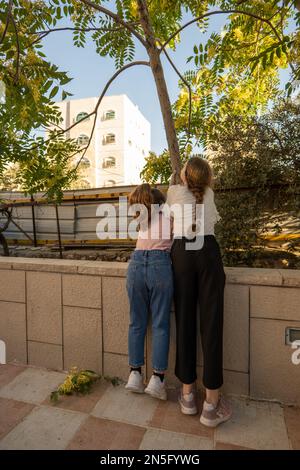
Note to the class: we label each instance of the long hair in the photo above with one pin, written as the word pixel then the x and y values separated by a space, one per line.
pixel 198 174
pixel 144 194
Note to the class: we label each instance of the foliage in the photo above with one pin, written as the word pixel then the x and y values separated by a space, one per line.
pixel 77 381
pixel 260 163
pixel 236 72
pixel 80 382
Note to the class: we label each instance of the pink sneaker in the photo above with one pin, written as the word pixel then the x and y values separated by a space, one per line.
pixel 212 416
pixel 188 403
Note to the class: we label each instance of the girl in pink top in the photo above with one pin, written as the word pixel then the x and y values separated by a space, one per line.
pixel 150 288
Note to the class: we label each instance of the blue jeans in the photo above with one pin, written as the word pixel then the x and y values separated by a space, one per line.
pixel 150 288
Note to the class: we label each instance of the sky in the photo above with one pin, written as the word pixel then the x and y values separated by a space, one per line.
pixel 90 72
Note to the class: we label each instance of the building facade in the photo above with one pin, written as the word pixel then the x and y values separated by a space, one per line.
pixel 120 142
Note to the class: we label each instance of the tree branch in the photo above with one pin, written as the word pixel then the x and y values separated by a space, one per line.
pixel 8 16
pixel 188 87
pixel 116 18
pixel 95 112
pixel 218 12
pixel 18 49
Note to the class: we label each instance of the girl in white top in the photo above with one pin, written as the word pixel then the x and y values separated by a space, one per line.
pixel 199 279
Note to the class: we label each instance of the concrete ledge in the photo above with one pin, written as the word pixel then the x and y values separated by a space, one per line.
pixel 248 276
pixel 63 313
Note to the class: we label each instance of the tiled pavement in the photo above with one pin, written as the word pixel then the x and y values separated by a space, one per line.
pixel 112 418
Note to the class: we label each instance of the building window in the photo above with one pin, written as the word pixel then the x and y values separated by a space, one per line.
pixel 109 139
pixel 83 139
pixel 109 162
pixel 110 114
pixel 82 116
pixel 109 183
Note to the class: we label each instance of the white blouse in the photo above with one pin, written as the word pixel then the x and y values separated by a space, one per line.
pixel 181 204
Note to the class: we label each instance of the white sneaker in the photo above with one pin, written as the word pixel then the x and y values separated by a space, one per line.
pixel 135 382
pixel 156 388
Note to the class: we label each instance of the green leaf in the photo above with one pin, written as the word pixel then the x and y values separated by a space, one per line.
pixel 54 92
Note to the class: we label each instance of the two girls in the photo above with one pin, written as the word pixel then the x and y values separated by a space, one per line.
pixel 199 279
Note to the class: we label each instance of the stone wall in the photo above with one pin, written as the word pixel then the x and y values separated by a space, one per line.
pixel 61 313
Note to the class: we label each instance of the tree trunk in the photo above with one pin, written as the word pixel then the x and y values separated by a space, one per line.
pixel 162 90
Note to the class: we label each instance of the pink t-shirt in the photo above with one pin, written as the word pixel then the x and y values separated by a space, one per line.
pixel 158 236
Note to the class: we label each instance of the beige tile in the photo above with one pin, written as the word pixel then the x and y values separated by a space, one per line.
pixel 104 268
pixel 254 276
pixel 224 446
pixel 292 421
pixel 5 262
pixel 169 417
pixel 8 372
pixel 120 405
pixel 79 402
pixel 44 307
pixel 103 434
pixel 82 338
pixel 275 302
pixel 32 385
pixel 257 425
pixel 12 285
pixel 45 428
pixel 236 383
pixel 47 265
pixel 236 328
pixel 272 373
pixel 291 277
pixel 82 291
pixel 13 330
pixel 45 355
pixel 116 365
pixel 157 439
pixel 11 413
pixel 115 315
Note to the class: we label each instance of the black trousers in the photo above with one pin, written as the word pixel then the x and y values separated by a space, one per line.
pixel 199 279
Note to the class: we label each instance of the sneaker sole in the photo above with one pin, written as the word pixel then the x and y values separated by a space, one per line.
pixel 187 411
pixel 160 396
pixel 213 423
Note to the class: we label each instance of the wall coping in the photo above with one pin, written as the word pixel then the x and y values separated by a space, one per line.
pixel 252 276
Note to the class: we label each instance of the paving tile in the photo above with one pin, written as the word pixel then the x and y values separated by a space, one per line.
pixel 169 417
pixel 292 421
pixel 120 405
pixel 32 385
pixel 82 403
pixel 258 425
pixel 11 413
pixel 8 372
pixel 97 434
pixel 44 428
pixel 158 439
pixel 225 446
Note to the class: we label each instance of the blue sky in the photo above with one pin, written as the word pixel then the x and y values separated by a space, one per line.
pixel 90 72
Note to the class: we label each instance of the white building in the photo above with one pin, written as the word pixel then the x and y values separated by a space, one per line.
pixel 120 142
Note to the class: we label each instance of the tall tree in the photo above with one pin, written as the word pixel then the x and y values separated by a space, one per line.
pixel 32 82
